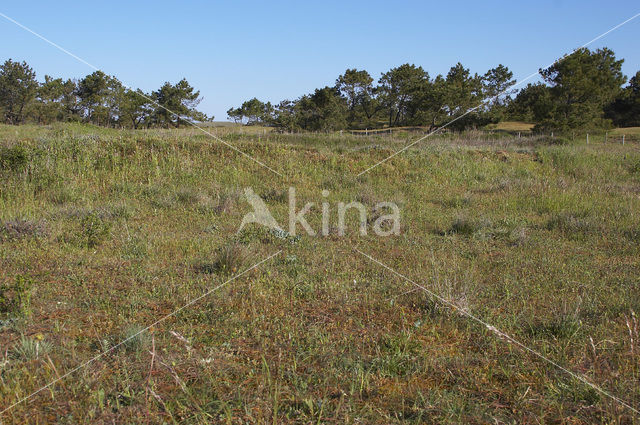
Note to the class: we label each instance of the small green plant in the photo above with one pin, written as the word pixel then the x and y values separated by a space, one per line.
pixel 32 348
pixel 571 223
pixel 192 196
pixel 134 248
pixel 14 158
pixel 135 339
pixel 229 260
pixel 468 226
pixel 15 298
pixel 94 229
pixel 518 236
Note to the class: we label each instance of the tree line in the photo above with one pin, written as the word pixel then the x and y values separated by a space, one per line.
pixel 98 98
pixel 582 90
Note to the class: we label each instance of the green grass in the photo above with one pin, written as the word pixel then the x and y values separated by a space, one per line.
pixel 115 229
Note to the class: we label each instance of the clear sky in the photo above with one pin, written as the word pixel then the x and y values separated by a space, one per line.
pixel 234 51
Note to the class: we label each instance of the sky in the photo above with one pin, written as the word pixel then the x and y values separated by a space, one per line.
pixel 276 50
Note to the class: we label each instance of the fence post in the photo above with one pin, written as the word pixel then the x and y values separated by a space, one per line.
pixel 587 138
pixel 623 140
pixel 606 133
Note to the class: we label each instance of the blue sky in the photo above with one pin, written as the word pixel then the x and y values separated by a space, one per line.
pixel 277 50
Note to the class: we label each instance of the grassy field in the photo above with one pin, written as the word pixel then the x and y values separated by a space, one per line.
pixel 629 131
pixel 103 232
pixel 511 126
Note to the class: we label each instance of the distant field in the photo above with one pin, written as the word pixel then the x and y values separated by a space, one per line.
pixel 222 124
pixel 635 131
pixel 102 232
pixel 511 126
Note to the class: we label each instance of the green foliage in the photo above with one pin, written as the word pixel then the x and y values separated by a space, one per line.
pixel 405 95
pixel 357 88
pixel 318 333
pixel 97 98
pixel 15 297
pixel 624 111
pixel 29 349
pixel 95 228
pixel 400 90
pixel 135 108
pixel 229 259
pixel 174 102
pixel 571 224
pixel 56 101
pixel 323 110
pixel 582 84
pixel 14 158
pixel 534 103
pixel 468 225
pixel 582 90
pixel 496 84
pixel 252 112
pixel 18 88
pixel 135 339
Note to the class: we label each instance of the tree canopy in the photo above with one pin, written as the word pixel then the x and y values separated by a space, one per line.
pixel 18 88
pixel 581 90
pixel 97 98
pixel 584 89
